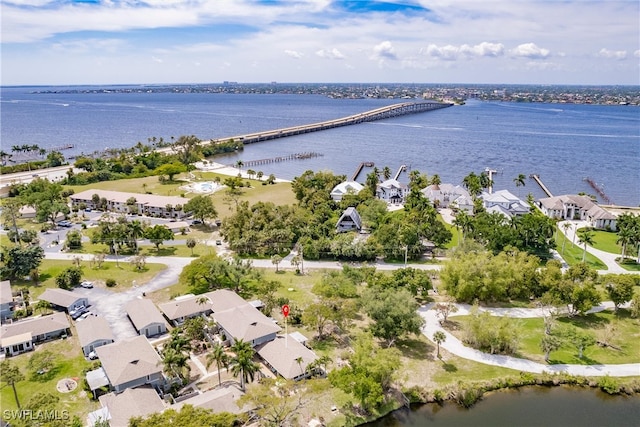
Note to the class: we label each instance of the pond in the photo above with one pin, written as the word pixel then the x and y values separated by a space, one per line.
pixel 527 406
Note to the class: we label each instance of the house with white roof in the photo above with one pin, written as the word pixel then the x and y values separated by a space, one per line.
pixel 64 300
pixel 449 196
pixel 287 357
pixel 392 191
pixel 93 332
pixel 576 207
pixel 19 337
pixel 118 409
pixel 147 204
pixel 344 188
pixel 349 221
pixel 145 317
pixel 6 301
pixel 184 307
pixel 505 203
pixel 131 363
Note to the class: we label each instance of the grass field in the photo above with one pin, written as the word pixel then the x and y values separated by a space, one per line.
pixel 573 253
pixel 124 275
pixel 606 241
pixel 620 330
pixel 69 363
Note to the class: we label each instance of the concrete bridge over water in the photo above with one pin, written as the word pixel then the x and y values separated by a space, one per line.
pixel 381 113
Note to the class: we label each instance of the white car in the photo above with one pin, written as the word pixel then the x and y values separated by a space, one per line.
pixel 92 355
pixel 87 285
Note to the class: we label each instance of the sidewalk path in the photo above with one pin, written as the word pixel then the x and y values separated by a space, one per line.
pixel 606 257
pixel 455 346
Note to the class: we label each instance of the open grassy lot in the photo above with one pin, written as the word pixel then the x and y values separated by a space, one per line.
pixel 573 253
pixel 619 330
pixel 124 275
pixel 136 185
pixel 68 363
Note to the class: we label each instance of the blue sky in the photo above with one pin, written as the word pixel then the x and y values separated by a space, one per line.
pixel 254 41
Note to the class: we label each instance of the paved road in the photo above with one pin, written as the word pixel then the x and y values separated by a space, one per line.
pixel 455 346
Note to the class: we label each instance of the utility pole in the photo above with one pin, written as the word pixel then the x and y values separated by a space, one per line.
pixel 301 259
pixel 406 250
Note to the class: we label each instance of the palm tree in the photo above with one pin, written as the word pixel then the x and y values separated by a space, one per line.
pixel 625 235
pixel 135 230
pixel 220 357
pixel 299 361
pixel 566 226
pixel 585 237
pixel 242 364
pixel 439 337
pixel 435 180
pixel 464 222
pixel 174 362
pixel 239 165
pixel 11 375
pixel 191 243
pixel 520 182
pixel 386 172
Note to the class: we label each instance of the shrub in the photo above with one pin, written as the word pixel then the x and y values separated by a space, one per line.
pixel 609 385
pixel 111 282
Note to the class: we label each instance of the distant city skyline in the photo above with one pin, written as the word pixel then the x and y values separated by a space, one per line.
pixel 66 42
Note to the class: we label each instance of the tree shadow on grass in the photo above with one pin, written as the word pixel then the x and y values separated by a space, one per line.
pixel 415 348
pixel 592 320
pixel 164 251
pixel 449 367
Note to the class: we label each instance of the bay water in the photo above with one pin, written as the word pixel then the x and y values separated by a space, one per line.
pixel 562 143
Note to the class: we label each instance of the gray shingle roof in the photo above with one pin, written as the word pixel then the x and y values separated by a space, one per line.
pixel 128 360
pixel 143 312
pixel 36 326
pixel 93 328
pixel 282 354
pixel 60 297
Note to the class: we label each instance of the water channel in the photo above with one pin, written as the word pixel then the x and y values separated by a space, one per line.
pixel 527 406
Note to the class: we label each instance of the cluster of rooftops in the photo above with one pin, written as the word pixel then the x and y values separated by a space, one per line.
pixel 131 367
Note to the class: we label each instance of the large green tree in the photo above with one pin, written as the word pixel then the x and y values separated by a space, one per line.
pixel 201 207
pixel 18 262
pixel 187 416
pixel 10 374
pixel 158 234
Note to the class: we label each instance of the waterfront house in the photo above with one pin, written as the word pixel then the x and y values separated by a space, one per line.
pixel 344 188
pixel 121 202
pixel 131 363
pixel 21 336
pixel 184 307
pixel 504 203
pixel 576 207
pixel 349 221
pixel 6 301
pixel 145 317
pixel 118 409
pixel 287 357
pixel 93 332
pixel 449 196
pixel 62 299
pixel 391 191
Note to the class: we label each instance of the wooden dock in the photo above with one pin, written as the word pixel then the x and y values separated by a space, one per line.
pixel 401 169
pixel 295 156
pixel 598 190
pixel 359 169
pixel 537 179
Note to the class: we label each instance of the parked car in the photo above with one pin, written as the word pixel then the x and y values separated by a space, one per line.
pixel 65 223
pixel 84 315
pixel 75 314
pixel 93 355
pixel 196 222
pixel 218 242
pixel 86 284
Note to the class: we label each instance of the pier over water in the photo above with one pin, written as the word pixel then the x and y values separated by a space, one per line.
pixel 387 112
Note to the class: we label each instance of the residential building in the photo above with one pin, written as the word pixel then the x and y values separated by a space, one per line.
pixel 131 363
pixel 145 317
pixel 21 336
pixel 344 188
pixel 62 299
pixel 6 301
pixel 240 320
pixel 118 409
pixel 392 191
pixel 184 307
pixel 504 203
pixel 349 221
pixel 287 357
pixel 93 332
pixel 576 207
pixel 449 196
pixel 146 204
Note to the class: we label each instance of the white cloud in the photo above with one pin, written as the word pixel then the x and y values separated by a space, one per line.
pixel 613 54
pixel 384 50
pixel 531 51
pixel 330 53
pixel 294 54
pixel 452 53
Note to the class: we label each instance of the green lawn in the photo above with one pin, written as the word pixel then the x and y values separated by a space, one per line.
pixel 124 275
pixel 69 363
pixel 625 336
pixel 573 253
pixel 630 265
pixel 455 239
pixel 606 241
